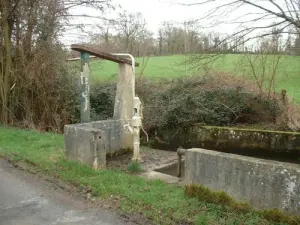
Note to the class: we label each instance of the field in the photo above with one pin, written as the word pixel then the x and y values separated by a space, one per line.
pixel 286 69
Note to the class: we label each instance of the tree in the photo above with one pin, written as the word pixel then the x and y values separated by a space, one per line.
pixel 288 44
pixel 129 26
pixel 286 13
pixel 29 37
pixel 297 45
pixel 160 41
pixel 206 43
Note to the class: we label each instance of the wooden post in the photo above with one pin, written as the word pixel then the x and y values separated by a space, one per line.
pixel 85 88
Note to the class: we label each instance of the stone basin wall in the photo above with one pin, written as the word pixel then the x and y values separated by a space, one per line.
pixel 265 184
pixel 90 143
pixel 231 140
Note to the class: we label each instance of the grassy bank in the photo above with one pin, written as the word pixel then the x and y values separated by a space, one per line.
pixel 165 204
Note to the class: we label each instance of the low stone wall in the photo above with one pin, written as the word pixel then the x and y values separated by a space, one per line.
pixel 89 143
pixel 262 183
pixel 231 140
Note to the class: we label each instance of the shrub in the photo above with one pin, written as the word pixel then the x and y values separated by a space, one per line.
pixel 134 167
pixel 216 100
pixel 189 100
pixel 45 93
pixel 102 100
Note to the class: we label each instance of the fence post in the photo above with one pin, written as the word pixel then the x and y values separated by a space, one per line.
pixel 85 88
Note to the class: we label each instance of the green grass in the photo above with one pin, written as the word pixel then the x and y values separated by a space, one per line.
pixel 165 204
pixel 287 74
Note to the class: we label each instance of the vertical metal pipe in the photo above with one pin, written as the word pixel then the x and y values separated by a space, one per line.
pixel 180 153
pixel 179 166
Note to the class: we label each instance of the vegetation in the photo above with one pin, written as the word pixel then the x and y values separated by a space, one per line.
pixel 204 194
pixel 134 167
pixel 38 91
pixel 36 86
pixel 163 203
pixel 213 99
pixel 287 72
pixel 275 32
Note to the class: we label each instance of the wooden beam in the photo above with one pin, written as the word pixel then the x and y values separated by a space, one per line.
pixel 103 55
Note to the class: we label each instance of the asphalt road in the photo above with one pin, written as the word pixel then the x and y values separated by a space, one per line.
pixel 26 199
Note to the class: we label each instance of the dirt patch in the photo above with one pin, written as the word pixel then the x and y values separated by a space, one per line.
pixel 152 159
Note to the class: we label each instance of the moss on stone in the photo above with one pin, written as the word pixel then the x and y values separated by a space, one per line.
pixel 249 130
pixel 206 195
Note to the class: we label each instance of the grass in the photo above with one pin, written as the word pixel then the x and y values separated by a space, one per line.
pixel 287 74
pixel 206 195
pixel 163 203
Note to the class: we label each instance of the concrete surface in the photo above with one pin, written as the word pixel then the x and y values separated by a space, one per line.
pixel 27 200
pixel 263 183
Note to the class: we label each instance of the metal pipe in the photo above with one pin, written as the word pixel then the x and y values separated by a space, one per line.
pixel 180 153
pixel 179 165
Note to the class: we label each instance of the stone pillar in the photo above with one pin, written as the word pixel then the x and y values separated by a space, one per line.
pixel 125 92
pixel 123 109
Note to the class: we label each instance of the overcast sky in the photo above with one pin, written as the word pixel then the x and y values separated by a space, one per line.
pixel 157 11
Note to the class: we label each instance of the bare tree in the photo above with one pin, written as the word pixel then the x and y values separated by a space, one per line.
pixel 129 26
pixel 257 22
pixel 29 36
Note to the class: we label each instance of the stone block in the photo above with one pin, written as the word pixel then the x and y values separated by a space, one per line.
pixel 86 145
pixel 119 138
pixel 90 143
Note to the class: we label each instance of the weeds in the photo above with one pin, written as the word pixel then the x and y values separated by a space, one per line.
pixel 134 167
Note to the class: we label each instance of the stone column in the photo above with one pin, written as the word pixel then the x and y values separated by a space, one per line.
pixel 123 109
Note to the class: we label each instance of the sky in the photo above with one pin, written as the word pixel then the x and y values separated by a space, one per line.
pixel 157 11
pixel 154 12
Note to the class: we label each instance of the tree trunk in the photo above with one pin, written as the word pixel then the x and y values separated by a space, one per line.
pixel 30 27
pixel 7 64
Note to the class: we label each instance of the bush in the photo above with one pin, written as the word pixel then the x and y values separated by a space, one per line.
pixel 102 100
pixel 206 100
pixel 45 93
pixel 219 100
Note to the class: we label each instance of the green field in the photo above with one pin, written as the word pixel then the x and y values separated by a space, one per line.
pixel 287 68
